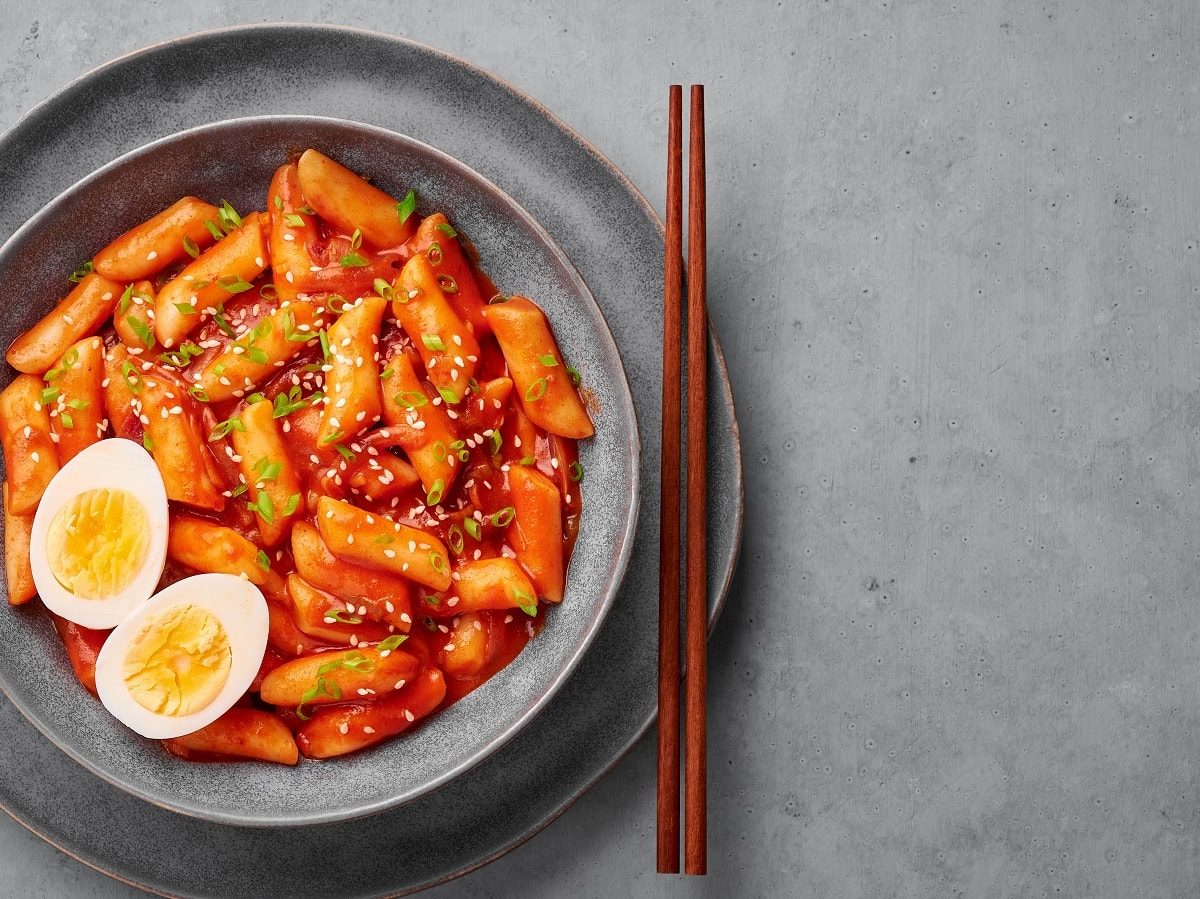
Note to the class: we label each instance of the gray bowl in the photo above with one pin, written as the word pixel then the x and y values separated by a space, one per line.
pixel 234 160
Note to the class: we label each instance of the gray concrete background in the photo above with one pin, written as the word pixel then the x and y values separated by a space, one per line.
pixel 956 269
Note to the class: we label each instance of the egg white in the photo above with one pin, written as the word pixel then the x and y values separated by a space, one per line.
pixel 116 464
pixel 242 611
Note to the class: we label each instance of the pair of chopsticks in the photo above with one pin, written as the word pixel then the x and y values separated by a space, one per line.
pixel 695 804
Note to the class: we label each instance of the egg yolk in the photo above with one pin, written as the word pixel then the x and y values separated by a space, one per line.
pixel 178 662
pixel 97 542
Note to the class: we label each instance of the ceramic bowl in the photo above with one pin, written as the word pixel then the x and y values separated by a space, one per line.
pixel 234 160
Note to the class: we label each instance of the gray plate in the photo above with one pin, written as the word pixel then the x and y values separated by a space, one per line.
pixel 614 239
pixel 235 160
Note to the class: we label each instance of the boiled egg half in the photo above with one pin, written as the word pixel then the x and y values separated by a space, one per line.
pixel 99 537
pixel 185 657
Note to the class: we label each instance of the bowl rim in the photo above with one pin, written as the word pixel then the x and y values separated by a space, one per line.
pixel 633 448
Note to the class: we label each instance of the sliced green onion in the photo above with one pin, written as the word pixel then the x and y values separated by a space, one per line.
pixel 223 428
pixel 230 220
pixel 234 283
pixel 407 206
pixel 432 342
pixel 411 399
pixel 222 322
pixel 264 506
pixel 142 330
pixel 504 517
pixel 438 562
pixel 189 247
pixel 527 602
pixel 132 378
pixel 537 390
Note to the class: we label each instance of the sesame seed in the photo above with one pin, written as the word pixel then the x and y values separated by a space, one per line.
pixel 409 716
pixel 152 255
pixel 449 647
pixel 399 684
pixel 368 729
pixel 343 728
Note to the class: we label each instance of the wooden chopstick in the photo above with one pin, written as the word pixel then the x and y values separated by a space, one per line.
pixel 668 569
pixel 695 795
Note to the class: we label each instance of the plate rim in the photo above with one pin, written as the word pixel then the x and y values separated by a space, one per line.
pixel 718 358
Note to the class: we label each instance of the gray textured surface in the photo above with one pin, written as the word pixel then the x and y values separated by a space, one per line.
pixel 955 270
